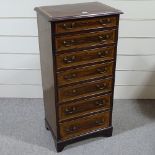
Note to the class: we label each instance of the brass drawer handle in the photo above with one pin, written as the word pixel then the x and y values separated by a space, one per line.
pixel 70 110
pixel 107 52
pixel 72 129
pixel 68 43
pixel 69 59
pixel 101 87
pixel 99 103
pixel 71 76
pixel 102 53
pixel 101 71
pixel 104 37
pixel 105 21
pixel 69 26
pixel 99 122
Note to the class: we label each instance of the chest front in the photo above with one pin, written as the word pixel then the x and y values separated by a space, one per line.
pixel 78 46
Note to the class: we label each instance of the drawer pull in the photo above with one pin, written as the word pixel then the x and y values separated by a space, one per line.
pixel 72 129
pixel 69 59
pixel 107 52
pixel 105 21
pixel 99 122
pixel 101 38
pixel 104 37
pixel 70 110
pixel 101 87
pixel 69 27
pixel 99 103
pixel 103 54
pixel 101 71
pixel 67 77
pixel 68 43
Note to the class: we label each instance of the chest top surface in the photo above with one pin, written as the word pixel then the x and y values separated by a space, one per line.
pixel 73 11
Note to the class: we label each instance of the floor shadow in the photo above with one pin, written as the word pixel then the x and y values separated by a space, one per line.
pixel 147 108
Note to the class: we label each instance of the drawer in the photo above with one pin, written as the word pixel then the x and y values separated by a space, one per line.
pixel 86 24
pixel 85 56
pixel 85 89
pixel 84 125
pixel 82 40
pixel 85 73
pixel 83 107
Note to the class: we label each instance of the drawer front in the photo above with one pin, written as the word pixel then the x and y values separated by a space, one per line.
pixel 83 40
pixel 84 73
pixel 85 89
pixel 86 24
pixel 87 106
pixel 85 56
pixel 84 125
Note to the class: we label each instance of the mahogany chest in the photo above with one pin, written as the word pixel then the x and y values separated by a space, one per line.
pixel 78 45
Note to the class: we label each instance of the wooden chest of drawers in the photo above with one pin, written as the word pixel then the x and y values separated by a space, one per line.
pixel 78 44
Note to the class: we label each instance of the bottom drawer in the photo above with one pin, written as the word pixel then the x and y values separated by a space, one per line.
pixel 84 125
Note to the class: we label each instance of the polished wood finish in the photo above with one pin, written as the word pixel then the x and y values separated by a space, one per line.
pixel 85 89
pixel 76 11
pixel 84 107
pixel 78 46
pixel 48 82
pixel 85 73
pixel 87 24
pixel 83 40
pixel 83 57
pixel 84 125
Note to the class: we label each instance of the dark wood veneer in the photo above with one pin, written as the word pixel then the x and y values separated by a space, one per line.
pixel 78 46
pixel 81 126
pixel 83 40
pixel 85 73
pixel 84 107
pixel 87 24
pixel 84 57
pixel 77 91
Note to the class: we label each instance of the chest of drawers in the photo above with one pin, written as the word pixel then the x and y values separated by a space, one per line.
pixel 78 45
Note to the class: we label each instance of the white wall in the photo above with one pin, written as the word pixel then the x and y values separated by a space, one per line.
pixel 19 52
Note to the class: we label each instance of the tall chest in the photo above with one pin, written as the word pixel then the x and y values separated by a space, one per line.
pixel 78 46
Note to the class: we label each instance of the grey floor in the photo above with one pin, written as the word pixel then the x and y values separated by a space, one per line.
pixel 22 130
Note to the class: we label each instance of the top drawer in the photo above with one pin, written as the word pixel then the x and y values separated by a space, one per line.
pixel 86 24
